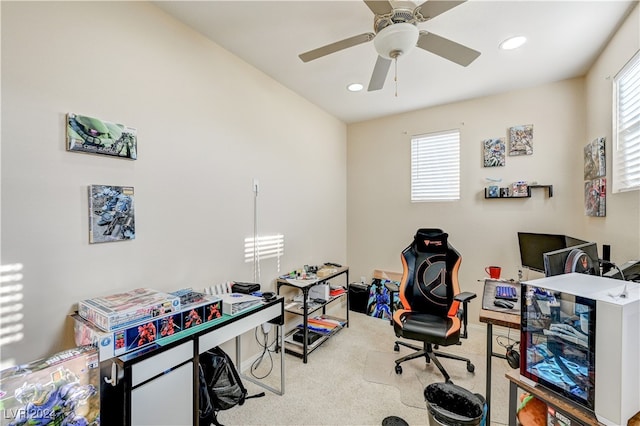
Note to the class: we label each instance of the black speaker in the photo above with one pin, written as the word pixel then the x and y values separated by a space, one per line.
pixel 606 255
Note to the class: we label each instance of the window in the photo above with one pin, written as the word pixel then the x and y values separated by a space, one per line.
pixel 626 127
pixel 435 166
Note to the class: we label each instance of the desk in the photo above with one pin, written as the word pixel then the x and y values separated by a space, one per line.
pixel 566 407
pixel 501 319
pixel 158 385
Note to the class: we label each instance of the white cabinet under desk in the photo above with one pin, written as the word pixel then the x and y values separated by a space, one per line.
pixel 158 385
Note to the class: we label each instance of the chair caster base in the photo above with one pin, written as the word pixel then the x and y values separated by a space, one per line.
pixel 398 369
pixel 396 347
pixel 470 367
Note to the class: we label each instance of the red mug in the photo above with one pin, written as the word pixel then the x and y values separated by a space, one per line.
pixel 493 271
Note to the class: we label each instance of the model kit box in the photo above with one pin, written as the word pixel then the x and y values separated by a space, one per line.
pixel 119 342
pixel 63 389
pixel 85 333
pixel 198 308
pixel 235 303
pixel 121 310
pixel 556 418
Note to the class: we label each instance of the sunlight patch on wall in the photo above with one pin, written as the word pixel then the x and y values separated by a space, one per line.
pixel 268 247
pixel 11 307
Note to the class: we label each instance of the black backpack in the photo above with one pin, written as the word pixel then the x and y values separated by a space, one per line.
pixel 220 386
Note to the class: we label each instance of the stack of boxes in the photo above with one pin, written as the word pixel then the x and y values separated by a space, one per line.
pixel 124 322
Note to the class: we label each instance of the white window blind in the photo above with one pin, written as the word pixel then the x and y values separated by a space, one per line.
pixel 626 128
pixel 435 166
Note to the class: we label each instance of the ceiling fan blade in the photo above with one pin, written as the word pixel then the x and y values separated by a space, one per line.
pixel 379 75
pixel 432 8
pixel 335 47
pixel 379 7
pixel 447 49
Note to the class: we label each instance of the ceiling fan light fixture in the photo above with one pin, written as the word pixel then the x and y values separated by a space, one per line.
pixel 513 43
pixel 395 40
pixel 355 87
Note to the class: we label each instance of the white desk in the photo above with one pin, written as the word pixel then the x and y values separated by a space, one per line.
pixel 158 385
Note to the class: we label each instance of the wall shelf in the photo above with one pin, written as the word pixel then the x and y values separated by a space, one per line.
pixel 549 189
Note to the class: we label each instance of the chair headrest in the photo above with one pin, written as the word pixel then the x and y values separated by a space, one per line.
pixel 430 240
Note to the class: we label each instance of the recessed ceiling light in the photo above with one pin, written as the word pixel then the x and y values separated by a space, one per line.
pixel 355 87
pixel 513 43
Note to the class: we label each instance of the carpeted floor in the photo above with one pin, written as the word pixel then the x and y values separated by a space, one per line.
pixel 350 380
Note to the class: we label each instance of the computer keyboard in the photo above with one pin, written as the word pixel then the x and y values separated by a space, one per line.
pixel 506 292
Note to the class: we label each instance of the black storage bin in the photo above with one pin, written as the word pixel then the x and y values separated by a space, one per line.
pixel 358 297
pixel 452 405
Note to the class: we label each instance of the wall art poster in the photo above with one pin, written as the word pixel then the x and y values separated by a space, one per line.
pixel 521 140
pixel 111 213
pixel 595 197
pixel 96 136
pixel 594 159
pixel 493 152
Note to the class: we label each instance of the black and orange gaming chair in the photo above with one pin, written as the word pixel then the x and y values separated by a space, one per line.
pixel 431 297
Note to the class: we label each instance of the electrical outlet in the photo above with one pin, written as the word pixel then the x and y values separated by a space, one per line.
pixel 266 327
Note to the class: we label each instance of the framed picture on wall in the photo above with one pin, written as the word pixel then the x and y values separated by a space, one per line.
pixel 493 152
pixel 594 159
pixel 521 140
pixel 111 213
pixel 95 136
pixel 595 197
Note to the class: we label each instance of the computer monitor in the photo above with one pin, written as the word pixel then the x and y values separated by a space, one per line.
pixel 582 258
pixel 534 245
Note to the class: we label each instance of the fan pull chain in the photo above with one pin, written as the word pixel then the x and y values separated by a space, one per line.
pixel 395 78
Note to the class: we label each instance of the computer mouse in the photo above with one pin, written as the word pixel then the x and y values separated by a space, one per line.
pixel 503 304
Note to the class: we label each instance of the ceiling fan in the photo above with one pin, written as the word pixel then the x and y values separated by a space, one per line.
pixel 396 33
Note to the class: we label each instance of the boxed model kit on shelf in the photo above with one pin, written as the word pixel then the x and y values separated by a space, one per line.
pixel 120 310
pixel 196 308
pixel 63 389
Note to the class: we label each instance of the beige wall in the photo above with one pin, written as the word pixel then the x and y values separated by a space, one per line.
pixel 622 226
pixel 207 124
pixel 382 220
pixel 566 115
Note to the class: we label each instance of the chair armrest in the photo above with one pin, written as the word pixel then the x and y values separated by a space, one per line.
pixel 465 296
pixel 392 289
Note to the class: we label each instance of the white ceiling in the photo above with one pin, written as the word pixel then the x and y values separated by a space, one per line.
pixel 564 37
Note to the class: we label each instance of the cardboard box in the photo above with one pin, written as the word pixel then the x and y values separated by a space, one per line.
pixel 325 272
pixel 58 390
pixel 121 310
